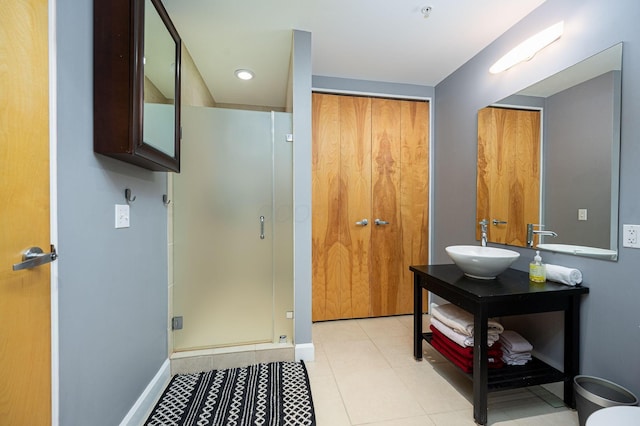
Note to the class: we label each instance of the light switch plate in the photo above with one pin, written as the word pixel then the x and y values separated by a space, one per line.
pixel 582 214
pixel 122 216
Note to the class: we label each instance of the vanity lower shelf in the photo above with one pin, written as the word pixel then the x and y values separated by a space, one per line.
pixel 535 372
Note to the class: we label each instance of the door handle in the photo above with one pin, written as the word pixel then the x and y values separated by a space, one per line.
pixel 380 222
pixel 262 227
pixel 499 222
pixel 363 222
pixel 34 256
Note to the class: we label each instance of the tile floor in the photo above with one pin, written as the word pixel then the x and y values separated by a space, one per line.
pixel 364 374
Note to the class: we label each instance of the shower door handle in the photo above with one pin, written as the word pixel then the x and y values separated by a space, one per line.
pixel 262 227
pixel 380 222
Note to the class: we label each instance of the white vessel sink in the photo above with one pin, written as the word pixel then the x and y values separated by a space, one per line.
pixel 580 250
pixel 482 262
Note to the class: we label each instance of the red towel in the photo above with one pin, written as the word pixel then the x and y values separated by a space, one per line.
pixel 466 352
pixel 465 365
pixel 449 350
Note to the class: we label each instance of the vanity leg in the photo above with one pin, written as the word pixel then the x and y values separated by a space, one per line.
pixel 417 318
pixel 571 348
pixel 480 366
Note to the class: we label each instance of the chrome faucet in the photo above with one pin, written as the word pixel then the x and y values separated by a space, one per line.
pixel 483 230
pixel 531 232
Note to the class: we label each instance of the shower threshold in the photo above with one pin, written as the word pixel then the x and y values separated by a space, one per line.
pixel 195 361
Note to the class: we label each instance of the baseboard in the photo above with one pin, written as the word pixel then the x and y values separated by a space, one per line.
pixel 143 406
pixel 305 352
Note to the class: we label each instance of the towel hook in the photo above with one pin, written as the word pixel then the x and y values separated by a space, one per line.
pixel 128 197
pixel 165 200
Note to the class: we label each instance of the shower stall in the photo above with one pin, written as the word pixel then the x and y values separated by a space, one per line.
pixel 233 230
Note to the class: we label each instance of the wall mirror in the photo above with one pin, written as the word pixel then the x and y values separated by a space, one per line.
pixel 137 84
pixel 548 156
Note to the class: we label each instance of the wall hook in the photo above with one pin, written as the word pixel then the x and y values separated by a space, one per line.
pixel 165 200
pixel 128 197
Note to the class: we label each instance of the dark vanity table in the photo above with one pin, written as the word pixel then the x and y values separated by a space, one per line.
pixel 510 293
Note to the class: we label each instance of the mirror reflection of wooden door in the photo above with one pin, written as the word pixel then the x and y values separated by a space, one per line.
pixel 508 180
pixel 25 348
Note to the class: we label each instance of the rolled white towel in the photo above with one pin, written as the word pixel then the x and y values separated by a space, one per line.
pixel 564 275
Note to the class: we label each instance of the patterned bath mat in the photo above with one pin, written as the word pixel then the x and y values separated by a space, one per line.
pixel 271 394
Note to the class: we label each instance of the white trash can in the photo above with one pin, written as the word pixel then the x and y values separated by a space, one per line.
pixel 593 393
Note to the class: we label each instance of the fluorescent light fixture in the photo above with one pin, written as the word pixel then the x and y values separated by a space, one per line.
pixel 244 74
pixel 528 48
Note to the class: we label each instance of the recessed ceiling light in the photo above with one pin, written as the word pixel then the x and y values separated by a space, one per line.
pixel 244 74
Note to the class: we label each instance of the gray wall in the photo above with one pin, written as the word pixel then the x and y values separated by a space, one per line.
pixel 374 88
pixel 302 186
pixel 610 322
pixel 579 127
pixel 112 282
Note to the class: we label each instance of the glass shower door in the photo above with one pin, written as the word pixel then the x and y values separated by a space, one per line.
pixel 224 221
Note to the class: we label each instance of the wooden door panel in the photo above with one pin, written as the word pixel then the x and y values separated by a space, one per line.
pixel 508 185
pixel 355 205
pixel 25 339
pixel 486 154
pixel 414 189
pixel 527 174
pixel 370 160
pixel 326 251
pixel 386 260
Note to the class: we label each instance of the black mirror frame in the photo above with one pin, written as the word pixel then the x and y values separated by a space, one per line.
pixel 119 84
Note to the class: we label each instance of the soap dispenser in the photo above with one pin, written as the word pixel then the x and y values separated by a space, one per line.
pixel 537 270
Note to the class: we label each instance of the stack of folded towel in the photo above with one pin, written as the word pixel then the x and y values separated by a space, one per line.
pixel 457 324
pixel 516 350
pixel 462 356
pixel 452 329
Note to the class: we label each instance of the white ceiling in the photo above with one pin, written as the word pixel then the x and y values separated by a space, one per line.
pixel 377 40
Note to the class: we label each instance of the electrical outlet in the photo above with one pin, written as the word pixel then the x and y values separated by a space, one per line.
pixel 631 236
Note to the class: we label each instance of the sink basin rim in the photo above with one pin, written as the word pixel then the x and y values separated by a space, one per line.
pixel 479 262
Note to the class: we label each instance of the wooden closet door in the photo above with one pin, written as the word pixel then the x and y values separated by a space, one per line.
pixel 341 197
pixel 326 248
pixel 414 201
pixel 386 261
pixel 370 161
pixel 355 205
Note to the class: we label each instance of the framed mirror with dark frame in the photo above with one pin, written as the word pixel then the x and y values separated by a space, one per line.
pixel 137 53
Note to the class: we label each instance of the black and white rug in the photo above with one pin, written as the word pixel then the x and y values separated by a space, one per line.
pixel 271 394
